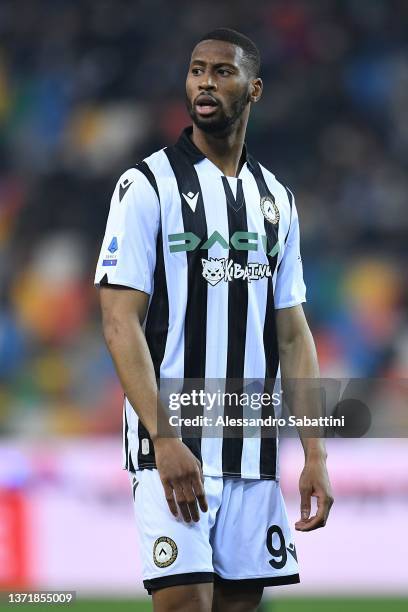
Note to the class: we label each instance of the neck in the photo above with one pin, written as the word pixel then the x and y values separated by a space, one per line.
pixel 224 150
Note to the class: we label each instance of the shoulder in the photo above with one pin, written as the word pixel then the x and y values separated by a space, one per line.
pixel 279 188
pixel 136 186
pixel 154 171
pixel 142 179
pixel 158 164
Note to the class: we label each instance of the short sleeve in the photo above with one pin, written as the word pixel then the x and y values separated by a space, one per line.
pixel 128 253
pixel 290 288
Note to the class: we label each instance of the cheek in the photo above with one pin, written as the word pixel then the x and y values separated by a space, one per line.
pixel 189 88
pixel 232 94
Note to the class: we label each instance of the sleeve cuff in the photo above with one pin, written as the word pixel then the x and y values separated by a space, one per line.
pixel 290 304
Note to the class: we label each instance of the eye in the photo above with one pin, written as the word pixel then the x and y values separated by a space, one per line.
pixel 196 71
pixel 224 72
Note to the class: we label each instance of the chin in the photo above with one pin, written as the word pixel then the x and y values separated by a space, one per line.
pixel 208 126
pixel 211 125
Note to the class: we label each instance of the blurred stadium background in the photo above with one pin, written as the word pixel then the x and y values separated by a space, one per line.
pixel 87 89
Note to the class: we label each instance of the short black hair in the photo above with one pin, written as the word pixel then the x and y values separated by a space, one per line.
pixel 252 56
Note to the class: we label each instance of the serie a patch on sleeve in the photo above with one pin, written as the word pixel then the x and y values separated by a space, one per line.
pixel 110 257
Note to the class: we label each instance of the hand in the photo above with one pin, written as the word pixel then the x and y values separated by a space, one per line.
pixel 314 482
pixel 182 478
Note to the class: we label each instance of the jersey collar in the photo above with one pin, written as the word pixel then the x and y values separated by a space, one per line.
pixel 195 155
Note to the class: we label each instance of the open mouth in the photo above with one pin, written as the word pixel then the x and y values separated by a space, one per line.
pixel 206 105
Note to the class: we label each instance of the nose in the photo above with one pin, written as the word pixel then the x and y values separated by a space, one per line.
pixel 207 82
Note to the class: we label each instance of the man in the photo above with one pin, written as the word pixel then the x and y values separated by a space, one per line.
pixel 201 277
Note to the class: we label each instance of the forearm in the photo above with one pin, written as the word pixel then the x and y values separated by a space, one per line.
pixel 128 347
pixel 299 368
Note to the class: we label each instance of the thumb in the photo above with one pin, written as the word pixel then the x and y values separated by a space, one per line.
pixel 305 503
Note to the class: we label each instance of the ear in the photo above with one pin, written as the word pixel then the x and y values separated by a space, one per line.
pixel 204 261
pixel 255 90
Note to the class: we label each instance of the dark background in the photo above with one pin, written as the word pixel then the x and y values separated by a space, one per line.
pixel 87 89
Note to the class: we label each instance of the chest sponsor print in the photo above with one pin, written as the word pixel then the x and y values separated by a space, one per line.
pixel 225 269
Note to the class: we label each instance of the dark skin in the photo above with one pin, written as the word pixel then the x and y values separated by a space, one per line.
pixel 220 90
pixel 217 68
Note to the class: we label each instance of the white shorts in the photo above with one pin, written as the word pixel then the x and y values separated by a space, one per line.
pixel 243 536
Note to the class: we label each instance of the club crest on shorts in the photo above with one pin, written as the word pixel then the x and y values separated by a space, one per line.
pixel 164 551
pixel 269 209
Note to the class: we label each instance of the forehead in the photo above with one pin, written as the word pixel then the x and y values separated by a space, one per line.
pixel 217 52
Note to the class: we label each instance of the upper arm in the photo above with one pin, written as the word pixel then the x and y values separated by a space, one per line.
pixel 290 324
pixel 128 253
pixel 121 304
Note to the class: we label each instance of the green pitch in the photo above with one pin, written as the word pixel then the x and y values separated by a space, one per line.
pixel 336 605
pixel 282 605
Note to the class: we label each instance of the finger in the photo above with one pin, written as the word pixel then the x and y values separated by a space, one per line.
pixel 201 473
pixel 310 524
pixel 200 494
pixel 182 503
pixel 324 503
pixel 169 495
pixel 305 503
pixel 191 500
pixel 192 504
pixel 331 502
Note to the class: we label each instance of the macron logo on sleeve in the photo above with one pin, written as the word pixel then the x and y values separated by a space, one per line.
pixel 191 199
pixel 123 187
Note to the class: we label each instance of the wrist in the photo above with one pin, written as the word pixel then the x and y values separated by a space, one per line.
pixel 315 451
pixel 160 441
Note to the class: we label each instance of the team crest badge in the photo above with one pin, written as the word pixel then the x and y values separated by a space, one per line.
pixel 270 210
pixel 164 552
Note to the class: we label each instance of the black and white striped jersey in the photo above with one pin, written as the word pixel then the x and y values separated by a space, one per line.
pixel 217 256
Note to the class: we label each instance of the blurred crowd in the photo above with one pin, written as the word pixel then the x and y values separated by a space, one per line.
pixel 89 88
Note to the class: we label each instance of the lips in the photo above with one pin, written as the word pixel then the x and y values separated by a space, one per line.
pixel 206 105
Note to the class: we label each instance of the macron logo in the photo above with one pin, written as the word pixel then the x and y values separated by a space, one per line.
pixel 191 199
pixel 123 188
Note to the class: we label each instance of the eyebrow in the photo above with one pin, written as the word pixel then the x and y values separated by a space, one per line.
pixel 217 65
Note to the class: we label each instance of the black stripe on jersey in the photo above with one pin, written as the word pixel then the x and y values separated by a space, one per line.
pixel 144 169
pixel 270 338
pixel 238 203
pixel 290 198
pixel 195 324
pixel 134 487
pixel 237 326
pixel 157 323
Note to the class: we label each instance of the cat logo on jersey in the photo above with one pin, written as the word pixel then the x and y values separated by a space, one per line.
pixel 216 270
pixel 164 551
pixel 213 270
pixel 270 210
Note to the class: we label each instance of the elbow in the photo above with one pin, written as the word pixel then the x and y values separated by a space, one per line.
pixel 295 341
pixel 112 329
pixel 119 330
pixel 288 342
